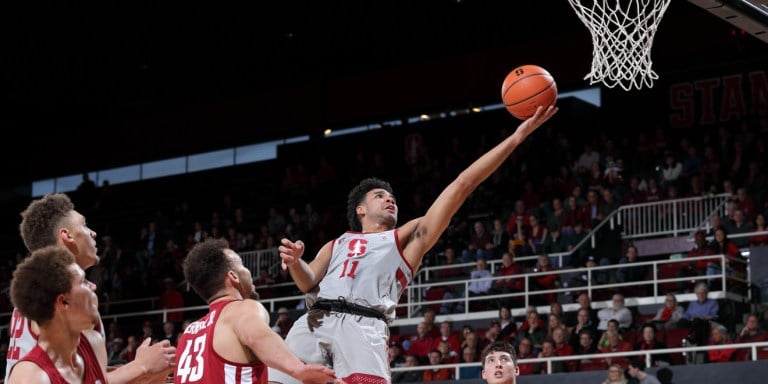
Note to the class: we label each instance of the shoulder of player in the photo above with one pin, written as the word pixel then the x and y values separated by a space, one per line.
pixel 28 372
pixel 248 307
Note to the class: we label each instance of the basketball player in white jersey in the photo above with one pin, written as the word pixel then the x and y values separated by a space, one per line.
pixel 361 275
pixel 53 220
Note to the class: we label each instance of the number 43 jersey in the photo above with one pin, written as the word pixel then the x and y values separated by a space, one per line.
pixel 367 269
pixel 197 362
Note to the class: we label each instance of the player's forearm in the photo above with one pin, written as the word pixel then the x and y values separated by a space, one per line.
pixel 303 276
pixel 270 348
pixel 127 373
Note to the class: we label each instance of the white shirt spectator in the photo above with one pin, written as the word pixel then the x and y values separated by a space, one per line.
pixel 617 311
pixel 480 279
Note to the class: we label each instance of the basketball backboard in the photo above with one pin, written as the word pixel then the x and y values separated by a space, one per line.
pixel 748 15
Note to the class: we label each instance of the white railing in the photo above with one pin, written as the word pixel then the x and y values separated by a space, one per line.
pixel 646 355
pixel 255 261
pixel 415 301
pixel 668 217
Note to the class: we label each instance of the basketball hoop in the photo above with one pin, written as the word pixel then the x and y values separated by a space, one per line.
pixel 622 35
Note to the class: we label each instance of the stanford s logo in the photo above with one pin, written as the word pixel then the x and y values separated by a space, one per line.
pixel 357 247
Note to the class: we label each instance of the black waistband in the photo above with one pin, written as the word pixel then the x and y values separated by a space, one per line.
pixel 346 307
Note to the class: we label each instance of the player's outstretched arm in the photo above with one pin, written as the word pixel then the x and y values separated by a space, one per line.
pixel 153 363
pixel 306 276
pixel 422 233
pixel 270 348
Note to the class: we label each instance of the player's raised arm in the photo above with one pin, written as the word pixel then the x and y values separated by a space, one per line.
pixel 421 234
pixel 306 276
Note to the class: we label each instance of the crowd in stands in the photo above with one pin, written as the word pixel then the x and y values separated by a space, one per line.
pixel 541 201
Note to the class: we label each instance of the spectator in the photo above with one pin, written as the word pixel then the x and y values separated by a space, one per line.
pixel 412 376
pixel 615 344
pixel 545 281
pixel 670 314
pixel 548 350
pixel 171 298
pixel 698 315
pixel 721 245
pixel 492 335
pixel 571 318
pixel 555 308
pixel 534 330
pixel 449 356
pixel 613 325
pixel 508 324
pixel 471 341
pixel 629 272
pixel 469 355
pixel 421 343
pixel 429 321
pixel 563 348
pixel 555 242
pixel 395 355
pixel 586 345
pixel 752 332
pixel 583 323
pixel 739 228
pixel 700 248
pixel 169 332
pixel 519 220
pixel 719 336
pixel 283 323
pixel 480 244
pixel 555 322
pixel 636 369
pixel 525 351
pixel 114 349
pixel 581 254
pixel 759 240
pixel 436 374
pixel 536 235
pixel 509 284
pixel 480 279
pixel 449 266
pixel 650 342
pixel 617 311
pixel 448 335
pixel 500 238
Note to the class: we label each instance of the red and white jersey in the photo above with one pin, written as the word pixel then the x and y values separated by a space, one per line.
pixel 92 370
pixel 21 340
pixel 367 269
pixel 197 362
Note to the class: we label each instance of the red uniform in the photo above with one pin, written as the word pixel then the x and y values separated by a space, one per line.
pixel 92 375
pixel 199 363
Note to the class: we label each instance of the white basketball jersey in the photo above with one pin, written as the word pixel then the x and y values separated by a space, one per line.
pixel 367 269
pixel 20 340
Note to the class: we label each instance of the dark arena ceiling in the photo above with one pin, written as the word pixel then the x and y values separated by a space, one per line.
pixel 90 85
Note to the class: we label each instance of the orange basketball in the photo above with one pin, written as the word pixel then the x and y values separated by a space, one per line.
pixel 525 88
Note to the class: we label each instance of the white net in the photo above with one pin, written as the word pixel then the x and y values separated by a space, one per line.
pixel 622 35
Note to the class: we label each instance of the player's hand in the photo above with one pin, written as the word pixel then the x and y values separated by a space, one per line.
pixel 540 117
pixel 314 373
pixel 158 358
pixel 290 252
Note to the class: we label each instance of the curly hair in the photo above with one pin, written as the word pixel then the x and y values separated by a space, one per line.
pixel 205 267
pixel 39 279
pixel 357 196
pixel 499 346
pixel 41 219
